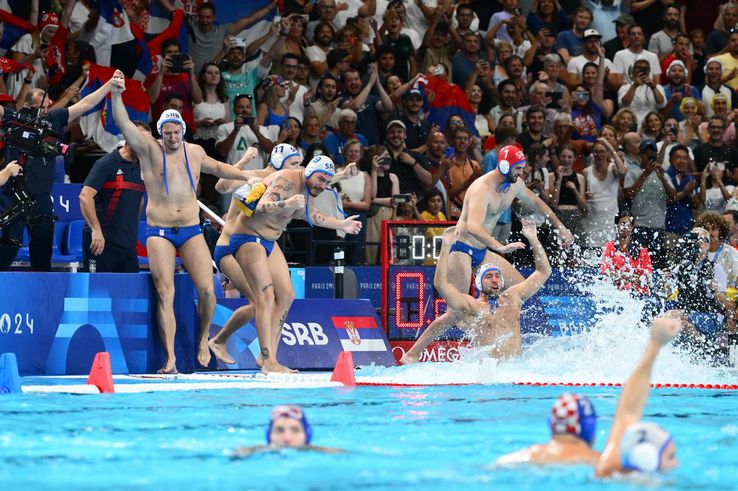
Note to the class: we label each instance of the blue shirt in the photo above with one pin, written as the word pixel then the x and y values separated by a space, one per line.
pixel 573 43
pixel 119 191
pixel 679 214
pixel 489 163
pixel 675 112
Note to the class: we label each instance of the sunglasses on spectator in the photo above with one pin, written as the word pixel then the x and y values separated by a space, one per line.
pixel 247 96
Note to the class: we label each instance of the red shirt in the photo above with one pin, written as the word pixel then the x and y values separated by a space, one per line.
pixel 627 272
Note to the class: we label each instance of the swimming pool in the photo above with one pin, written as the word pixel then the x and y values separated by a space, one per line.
pixel 439 437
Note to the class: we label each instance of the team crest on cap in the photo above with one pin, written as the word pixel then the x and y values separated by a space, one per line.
pixel 504 166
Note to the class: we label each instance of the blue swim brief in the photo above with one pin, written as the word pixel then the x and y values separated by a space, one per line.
pixel 238 240
pixel 477 255
pixel 176 235
pixel 222 251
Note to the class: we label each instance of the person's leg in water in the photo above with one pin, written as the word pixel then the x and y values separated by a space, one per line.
pixel 162 256
pixel 241 316
pixel 284 294
pixel 252 257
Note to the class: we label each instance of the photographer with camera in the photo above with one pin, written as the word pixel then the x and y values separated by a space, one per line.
pixel 38 172
pixel 175 74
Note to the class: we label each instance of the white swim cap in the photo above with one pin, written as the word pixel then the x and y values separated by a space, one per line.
pixel 642 446
pixel 483 270
pixel 322 164
pixel 281 153
pixel 171 116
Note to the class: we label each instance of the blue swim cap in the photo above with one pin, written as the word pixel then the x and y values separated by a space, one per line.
pixel 292 412
pixel 642 447
pixel 573 414
pixel 483 270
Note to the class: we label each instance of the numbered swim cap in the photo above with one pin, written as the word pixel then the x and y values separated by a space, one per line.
pixel 292 412
pixel 642 446
pixel 321 163
pixel 483 270
pixel 573 414
pixel 507 159
pixel 171 116
pixel 281 153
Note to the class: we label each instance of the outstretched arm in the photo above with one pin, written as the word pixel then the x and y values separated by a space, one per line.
pixel 221 169
pixel 140 142
pixel 454 298
pixel 92 100
pixel 531 199
pixel 635 393
pixel 530 286
pixel 225 186
pixel 350 225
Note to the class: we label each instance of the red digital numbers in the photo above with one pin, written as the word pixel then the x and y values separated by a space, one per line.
pixel 418 278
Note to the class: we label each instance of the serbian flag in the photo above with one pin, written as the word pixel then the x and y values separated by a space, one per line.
pixel 55 56
pixel 230 11
pixel 13 28
pixel 98 123
pixel 160 19
pixel 446 100
pixel 9 66
pixel 359 333
pixel 177 30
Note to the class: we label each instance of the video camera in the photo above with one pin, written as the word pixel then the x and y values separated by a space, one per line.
pixel 30 135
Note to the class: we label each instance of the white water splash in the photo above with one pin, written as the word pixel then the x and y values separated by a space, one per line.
pixel 606 353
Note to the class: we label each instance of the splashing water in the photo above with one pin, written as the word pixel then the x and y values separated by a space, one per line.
pixel 606 352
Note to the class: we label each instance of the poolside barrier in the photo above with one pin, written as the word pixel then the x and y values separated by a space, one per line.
pixel 344 370
pixel 101 376
pixel 616 384
pixel 10 382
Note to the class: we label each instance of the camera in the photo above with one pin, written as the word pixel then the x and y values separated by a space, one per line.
pixel 248 120
pixel 30 135
pixel 177 63
pixel 385 161
pixel 401 198
pixel 554 95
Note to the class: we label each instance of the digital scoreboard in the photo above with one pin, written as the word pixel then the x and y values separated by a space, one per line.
pixel 410 250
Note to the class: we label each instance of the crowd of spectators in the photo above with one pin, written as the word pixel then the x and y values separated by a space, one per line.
pixel 625 109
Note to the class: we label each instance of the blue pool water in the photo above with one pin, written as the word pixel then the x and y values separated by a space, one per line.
pixel 397 438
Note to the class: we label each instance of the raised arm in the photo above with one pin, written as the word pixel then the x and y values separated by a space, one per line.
pixel 454 298
pixel 635 393
pixel 244 22
pixel 92 100
pixel 530 286
pixel 531 199
pixel 225 185
pixel 138 140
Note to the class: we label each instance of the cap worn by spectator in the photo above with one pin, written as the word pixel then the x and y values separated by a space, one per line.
pixel 413 92
pixel 396 122
pixel 626 19
pixel 676 63
pixel 647 144
pixel 713 60
pixel 592 33
pixel 48 19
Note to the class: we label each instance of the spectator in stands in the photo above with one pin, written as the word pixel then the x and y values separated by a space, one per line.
pixel 714 85
pixel 111 201
pixel 534 118
pixel 642 95
pixel 729 59
pixel 461 173
pixel 390 35
pixel 622 39
pixel 646 186
pixel 295 42
pixel 467 59
pixel 715 190
pixel 213 110
pixel 594 77
pixel 326 10
pixel 569 191
pixel 509 101
pixel 414 120
pixel 272 111
pixel 436 49
pixel 547 14
pixel 719 38
pixel 602 180
pixel 302 76
pixel 673 135
pixel 311 132
pixel 592 52
pixel 588 107
pixel 433 209
pixel 290 133
pixel 719 251
pixel 624 121
pixel 174 75
pixel 335 142
pixel 326 101
pixel 411 167
pixel 682 52
pixel 652 126
pixel 28 49
pixel 690 127
pixel 367 106
pixel 677 89
pixel 290 63
pixel 626 269
pixel 699 57
pixel 662 42
pixel 501 20
pixel 385 185
pixel 561 99
pixel 239 78
pixel 570 43
pixel 325 33
pixel 356 198
pixel 626 59
pixel 407 210
pixel 545 45
pixel 562 135
pixel 715 149
pixel 720 106
pixel 207 37
pixel 347 39
pixel 683 198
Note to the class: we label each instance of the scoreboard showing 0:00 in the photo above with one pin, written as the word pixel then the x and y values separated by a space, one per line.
pixel 410 250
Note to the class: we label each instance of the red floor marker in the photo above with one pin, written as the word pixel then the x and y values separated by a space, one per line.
pixel 101 376
pixel 344 370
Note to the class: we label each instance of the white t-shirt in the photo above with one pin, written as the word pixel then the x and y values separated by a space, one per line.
pixel 666 164
pixel 80 13
pixel 644 100
pixel 244 139
pixel 15 80
pixel 576 64
pixel 660 43
pixel 714 200
pixel 297 108
pixel 625 58
pixel 204 110
pixel 415 22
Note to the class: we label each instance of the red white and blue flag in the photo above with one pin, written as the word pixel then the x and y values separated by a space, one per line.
pixel 446 100
pixel 99 123
pixel 13 29
pixel 359 333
